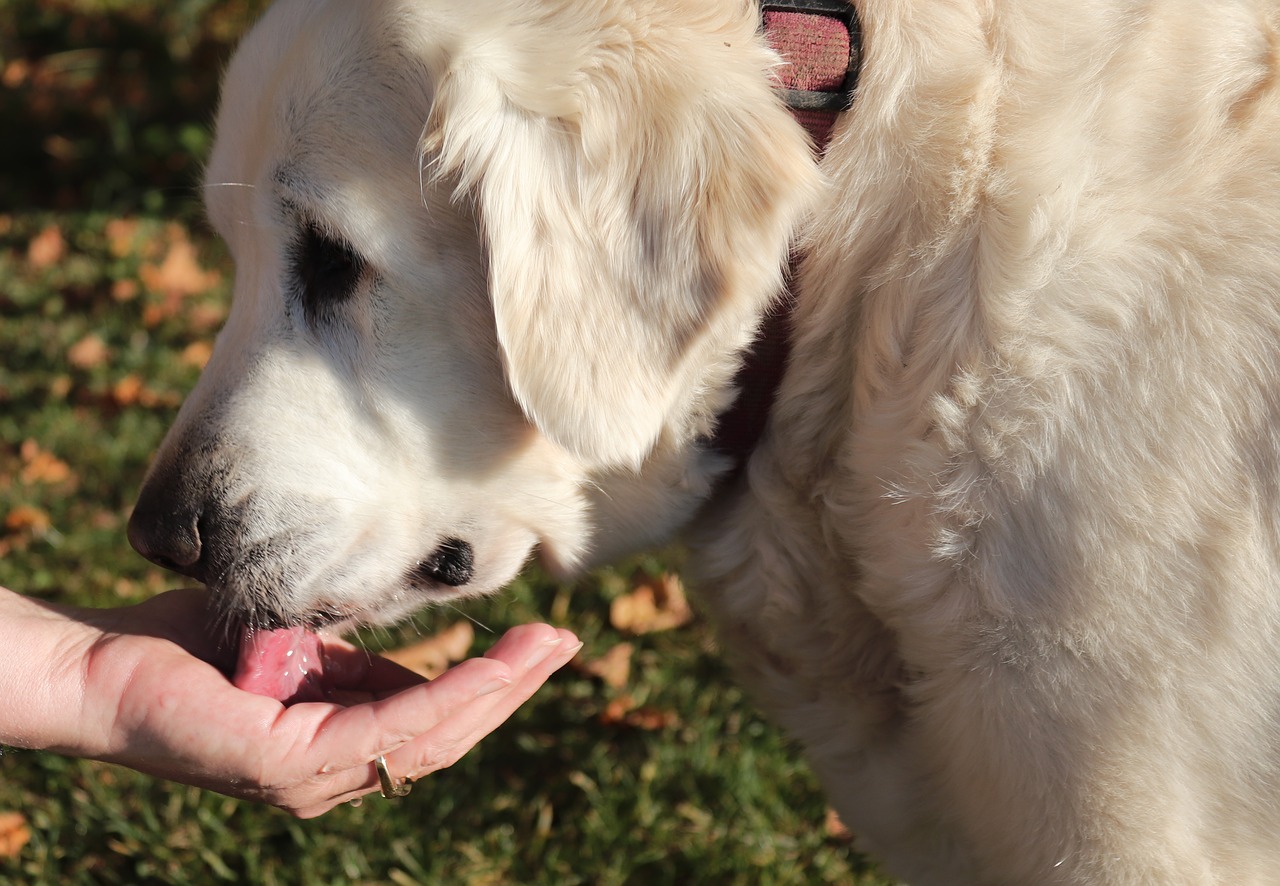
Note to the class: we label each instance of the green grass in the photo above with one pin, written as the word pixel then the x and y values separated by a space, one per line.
pixel 104 108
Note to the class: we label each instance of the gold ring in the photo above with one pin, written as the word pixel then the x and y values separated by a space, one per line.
pixel 390 787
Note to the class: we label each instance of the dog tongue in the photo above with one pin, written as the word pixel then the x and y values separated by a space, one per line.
pixel 284 664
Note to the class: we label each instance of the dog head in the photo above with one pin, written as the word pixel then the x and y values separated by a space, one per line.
pixel 495 262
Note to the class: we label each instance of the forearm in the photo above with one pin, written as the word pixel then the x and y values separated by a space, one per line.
pixel 43 655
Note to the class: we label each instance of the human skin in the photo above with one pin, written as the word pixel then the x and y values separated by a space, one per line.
pixel 146 687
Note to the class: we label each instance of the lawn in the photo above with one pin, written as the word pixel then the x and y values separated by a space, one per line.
pixel 643 764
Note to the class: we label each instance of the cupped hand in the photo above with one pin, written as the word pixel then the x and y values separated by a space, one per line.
pixel 155 702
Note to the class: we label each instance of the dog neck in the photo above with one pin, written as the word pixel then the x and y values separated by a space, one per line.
pixel 820 42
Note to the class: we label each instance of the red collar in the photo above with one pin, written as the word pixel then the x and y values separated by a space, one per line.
pixel 820 42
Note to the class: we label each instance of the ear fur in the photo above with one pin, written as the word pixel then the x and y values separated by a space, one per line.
pixel 638 184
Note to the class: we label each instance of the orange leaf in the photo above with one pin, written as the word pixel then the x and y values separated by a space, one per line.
pixel 835 828
pixel 89 352
pixel 14 834
pixel 39 466
pixel 46 248
pixel 125 290
pixel 127 390
pixel 431 657
pixel 180 274
pixel 121 234
pixel 27 519
pixel 655 605
pixel 15 73
pixel 652 719
pixel 197 354
pixel 614 667
pixel 623 711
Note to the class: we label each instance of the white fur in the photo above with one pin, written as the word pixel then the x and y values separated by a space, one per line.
pixel 1006 560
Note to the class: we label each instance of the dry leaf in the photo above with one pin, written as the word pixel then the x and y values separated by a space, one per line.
pixel 197 354
pixel 431 657
pixel 14 834
pixel 179 275
pixel 60 386
pixel 127 390
pixel 46 248
pixel 89 352
pixel 39 466
pixel 121 234
pixel 125 290
pixel 614 667
pixel 623 711
pixel 15 73
pixel 835 828
pixel 27 519
pixel 655 605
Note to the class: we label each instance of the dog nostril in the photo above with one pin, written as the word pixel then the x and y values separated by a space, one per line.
pixel 168 539
pixel 453 564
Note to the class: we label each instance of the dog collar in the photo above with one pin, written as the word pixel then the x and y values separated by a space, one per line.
pixel 820 42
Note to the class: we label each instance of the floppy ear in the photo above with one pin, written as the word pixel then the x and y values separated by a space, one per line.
pixel 638 183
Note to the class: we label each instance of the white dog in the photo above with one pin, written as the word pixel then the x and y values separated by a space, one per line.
pixel 1006 558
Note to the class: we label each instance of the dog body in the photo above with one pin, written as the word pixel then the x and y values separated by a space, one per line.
pixel 1005 559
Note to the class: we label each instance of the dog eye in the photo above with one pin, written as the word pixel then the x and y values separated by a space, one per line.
pixel 328 269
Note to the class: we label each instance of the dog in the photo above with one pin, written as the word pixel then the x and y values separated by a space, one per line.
pixel 1004 557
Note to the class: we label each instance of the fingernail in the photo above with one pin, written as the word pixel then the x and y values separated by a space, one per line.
pixel 492 686
pixel 544 651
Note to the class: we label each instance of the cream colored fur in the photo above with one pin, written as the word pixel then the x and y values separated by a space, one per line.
pixel 1006 563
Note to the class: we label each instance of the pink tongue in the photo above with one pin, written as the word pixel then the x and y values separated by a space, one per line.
pixel 283 664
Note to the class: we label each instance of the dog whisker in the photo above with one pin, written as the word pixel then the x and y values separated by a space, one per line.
pixel 471 618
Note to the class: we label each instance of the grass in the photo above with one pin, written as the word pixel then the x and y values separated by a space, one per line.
pixel 111 291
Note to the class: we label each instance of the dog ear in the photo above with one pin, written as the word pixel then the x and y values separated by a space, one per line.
pixel 637 184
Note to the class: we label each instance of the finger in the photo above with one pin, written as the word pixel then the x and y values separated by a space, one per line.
pixel 347 741
pixel 354 736
pixel 444 745
pixel 349 667
pixel 525 656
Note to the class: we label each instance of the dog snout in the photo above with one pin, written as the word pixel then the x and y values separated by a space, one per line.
pixel 165 527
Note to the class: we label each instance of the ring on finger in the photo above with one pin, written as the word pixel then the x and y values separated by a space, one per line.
pixel 390 787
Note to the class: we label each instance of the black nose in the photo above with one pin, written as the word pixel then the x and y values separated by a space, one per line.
pixel 164 528
pixel 453 564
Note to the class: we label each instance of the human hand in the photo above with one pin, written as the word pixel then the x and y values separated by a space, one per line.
pixel 154 700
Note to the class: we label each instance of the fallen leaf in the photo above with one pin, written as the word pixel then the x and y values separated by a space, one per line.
pixel 14 834
pixel 655 605
pixel 121 236
pixel 27 519
pixel 623 711
pixel 616 710
pixel 197 354
pixel 835 828
pixel 40 466
pixel 15 73
pixel 651 719
pixel 206 317
pixel 60 386
pixel 431 657
pixel 46 248
pixel 614 667
pixel 127 390
pixel 179 274
pixel 125 290
pixel 89 352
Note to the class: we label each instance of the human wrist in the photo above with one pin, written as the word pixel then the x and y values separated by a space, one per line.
pixel 42 682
